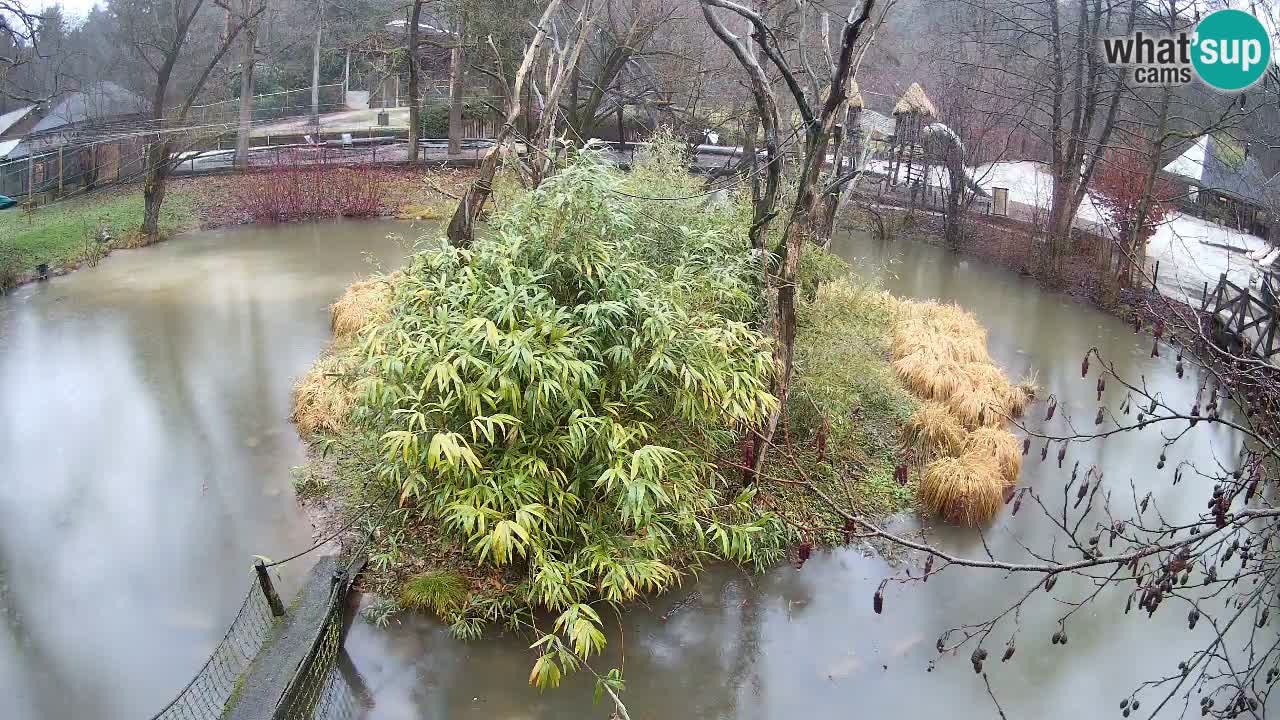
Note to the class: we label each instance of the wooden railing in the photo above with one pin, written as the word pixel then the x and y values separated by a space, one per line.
pixel 1252 317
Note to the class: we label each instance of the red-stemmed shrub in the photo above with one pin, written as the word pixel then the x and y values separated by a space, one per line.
pixel 288 192
pixel 1119 189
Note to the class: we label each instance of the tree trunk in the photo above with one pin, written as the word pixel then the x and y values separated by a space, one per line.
pixel 462 224
pixel 456 81
pixel 415 101
pixel 153 189
pixel 315 65
pixel 248 61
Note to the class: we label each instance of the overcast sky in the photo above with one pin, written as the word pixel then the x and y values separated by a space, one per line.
pixel 70 8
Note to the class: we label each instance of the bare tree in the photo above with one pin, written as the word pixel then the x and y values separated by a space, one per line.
pixel 315 65
pixel 1049 56
pixel 415 93
pixel 248 63
pixel 159 36
pixel 457 82
pixel 820 109
pixel 19 47
pixel 462 224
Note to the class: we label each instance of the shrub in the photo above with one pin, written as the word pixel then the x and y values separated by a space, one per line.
pixel 968 490
pixel 440 591
pixel 940 353
pixel 11 264
pixel 288 193
pixel 553 396
pixel 435 116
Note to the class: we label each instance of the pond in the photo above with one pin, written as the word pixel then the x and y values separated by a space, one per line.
pixel 145 455
pixel 145 452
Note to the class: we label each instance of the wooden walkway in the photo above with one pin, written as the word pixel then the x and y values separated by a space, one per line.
pixel 1248 320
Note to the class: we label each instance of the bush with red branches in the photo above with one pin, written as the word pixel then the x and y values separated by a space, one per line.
pixel 1118 187
pixel 287 193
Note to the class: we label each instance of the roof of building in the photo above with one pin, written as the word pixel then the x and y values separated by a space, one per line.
pixel 1214 164
pixel 915 101
pixel 428 22
pixel 96 102
pixel 7 146
pixel 876 125
pixel 12 117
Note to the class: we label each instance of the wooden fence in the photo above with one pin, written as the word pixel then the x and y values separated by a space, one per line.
pixel 69 169
pixel 1252 318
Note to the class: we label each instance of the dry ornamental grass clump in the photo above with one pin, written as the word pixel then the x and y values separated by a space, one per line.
pixel 970 459
pixel 363 304
pixel 933 431
pixel 998 445
pixel 324 397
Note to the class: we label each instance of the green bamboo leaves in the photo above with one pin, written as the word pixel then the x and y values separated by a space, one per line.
pixel 558 394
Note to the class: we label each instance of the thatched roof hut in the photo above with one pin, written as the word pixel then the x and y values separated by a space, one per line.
pixel 915 102
pixel 855 95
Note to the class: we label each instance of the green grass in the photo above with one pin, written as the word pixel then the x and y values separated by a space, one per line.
pixel 58 233
pixel 843 375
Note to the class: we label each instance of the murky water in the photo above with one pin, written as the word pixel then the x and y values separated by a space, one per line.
pixel 145 454
pixel 807 643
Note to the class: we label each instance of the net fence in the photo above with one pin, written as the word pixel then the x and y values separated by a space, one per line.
pixel 320 690
pixel 218 680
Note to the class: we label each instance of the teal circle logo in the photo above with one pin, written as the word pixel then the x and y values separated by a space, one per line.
pixel 1231 50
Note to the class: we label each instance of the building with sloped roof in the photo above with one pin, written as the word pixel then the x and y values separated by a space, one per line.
pixel 1223 182
pixel 77 139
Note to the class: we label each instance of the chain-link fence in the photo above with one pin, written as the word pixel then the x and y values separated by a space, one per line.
pixel 272 106
pixel 218 681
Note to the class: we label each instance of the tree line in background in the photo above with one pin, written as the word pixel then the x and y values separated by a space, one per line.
pixel 789 79
pixel 1014 79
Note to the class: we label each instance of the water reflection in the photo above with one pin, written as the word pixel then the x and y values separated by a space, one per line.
pixel 808 643
pixel 144 456
pixel 145 450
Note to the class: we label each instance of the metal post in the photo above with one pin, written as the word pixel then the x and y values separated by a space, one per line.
pixel 269 590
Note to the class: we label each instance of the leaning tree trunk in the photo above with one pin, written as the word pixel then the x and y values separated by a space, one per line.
pixel 462 224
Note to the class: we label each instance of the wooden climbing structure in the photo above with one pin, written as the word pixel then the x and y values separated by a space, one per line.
pixel 908 163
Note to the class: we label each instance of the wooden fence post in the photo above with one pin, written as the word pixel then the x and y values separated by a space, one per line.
pixel 60 168
pixel 31 176
pixel 268 589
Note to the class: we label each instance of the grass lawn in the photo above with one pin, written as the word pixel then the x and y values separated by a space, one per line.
pixel 59 234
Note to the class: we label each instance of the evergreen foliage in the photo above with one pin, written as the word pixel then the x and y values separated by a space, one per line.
pixel 556 395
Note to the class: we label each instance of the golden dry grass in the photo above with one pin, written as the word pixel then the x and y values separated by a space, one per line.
pixel 436 211
pixel 976 406
pixel 929 376
pixel 323 398
pixel 998 445
pixel 363 304
pixel 940 354
pixel 968 490
pixel 933 431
